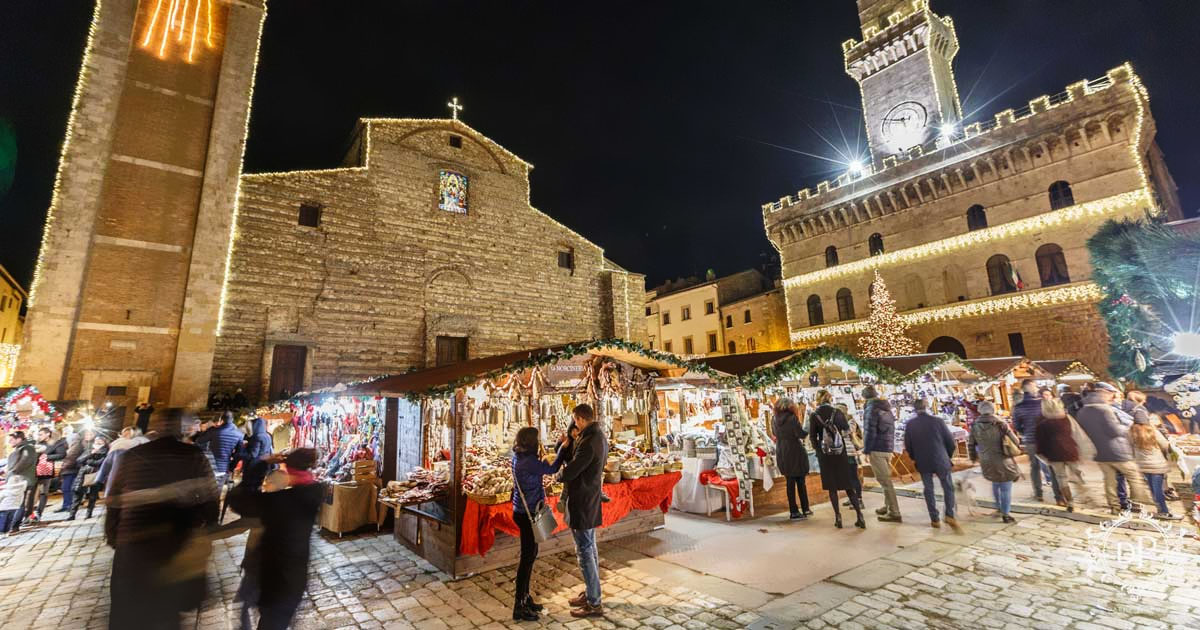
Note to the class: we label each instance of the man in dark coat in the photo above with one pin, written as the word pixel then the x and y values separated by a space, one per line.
pixel 879 441
pixel 929 443
pixel 143 412
pixel 55 451
pixel 1025 415
pixel 22 462
pixel 583 477
pixel 257 449
pixel 163 495
pixel 223 441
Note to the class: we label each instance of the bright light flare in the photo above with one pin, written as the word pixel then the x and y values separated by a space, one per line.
pixel 948 131
pixel 856 167
pixel 178 22
pixel 1186 344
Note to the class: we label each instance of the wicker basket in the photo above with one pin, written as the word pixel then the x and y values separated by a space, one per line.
pixel 612 477
pixel 655 470
pixel 632 474
pixel 612 464
pixel 673 467
pixel 491 499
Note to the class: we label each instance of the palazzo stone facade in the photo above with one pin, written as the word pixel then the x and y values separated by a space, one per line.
pixel 422 249
pixel 978 229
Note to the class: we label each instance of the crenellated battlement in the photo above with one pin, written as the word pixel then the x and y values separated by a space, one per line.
pixel 873 176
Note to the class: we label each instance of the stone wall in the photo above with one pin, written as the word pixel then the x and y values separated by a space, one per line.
pixel 386 272
pixel 768 324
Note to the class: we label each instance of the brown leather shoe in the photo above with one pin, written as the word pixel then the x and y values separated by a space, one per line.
pixel 578 601
pixel 587 610
pixel 953 523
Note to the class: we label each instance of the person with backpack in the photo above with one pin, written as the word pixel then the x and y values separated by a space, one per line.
pixel 930 445
pixel 829 431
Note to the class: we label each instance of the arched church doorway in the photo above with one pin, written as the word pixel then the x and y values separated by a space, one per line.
pixel 948 344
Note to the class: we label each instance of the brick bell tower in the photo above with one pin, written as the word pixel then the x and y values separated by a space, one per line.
pixel 903 68
pixel 126 298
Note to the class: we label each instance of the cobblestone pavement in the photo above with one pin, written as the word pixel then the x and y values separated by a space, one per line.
pixel 1024 575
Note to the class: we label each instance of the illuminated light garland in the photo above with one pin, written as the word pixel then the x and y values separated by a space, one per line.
pixel 56 192
pixel 8 363
pixel 1032 299
pixel 182 19
pixel 237 196
pixel 1097 208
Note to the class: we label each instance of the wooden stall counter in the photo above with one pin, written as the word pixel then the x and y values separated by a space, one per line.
pixel 348 506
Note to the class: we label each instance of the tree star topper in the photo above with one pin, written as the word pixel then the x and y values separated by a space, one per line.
pixel 455 107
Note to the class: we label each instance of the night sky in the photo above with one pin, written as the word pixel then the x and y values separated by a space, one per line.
pixel 657 129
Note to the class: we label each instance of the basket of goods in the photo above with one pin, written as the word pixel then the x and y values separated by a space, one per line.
pixel 613 476
pixel 490 486
pixel 421 486
pixel 613 463
pixel 674 464
pixel 655 470
pixel 632 469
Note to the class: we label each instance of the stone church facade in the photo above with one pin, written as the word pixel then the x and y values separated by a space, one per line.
pixel 978 229
pixel 422 249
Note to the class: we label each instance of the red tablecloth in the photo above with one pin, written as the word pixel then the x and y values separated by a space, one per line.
pixel 731 485
pixel 480 522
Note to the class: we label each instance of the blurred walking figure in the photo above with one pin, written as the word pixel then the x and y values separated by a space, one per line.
pixel 931 446
pixel 1057 444
pixel 986 444
pixel 79 445
pixel 22 464
pixel 287 520
pixel 223 441
pixel 88 483
pixel 1114 452
pixel 1150 450
pixel 163 495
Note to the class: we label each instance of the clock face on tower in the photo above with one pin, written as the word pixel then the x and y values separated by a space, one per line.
pixel 903 127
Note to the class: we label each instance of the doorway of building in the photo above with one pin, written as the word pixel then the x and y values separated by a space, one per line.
pixel 287 371
pixel 948 344
pixel 450 350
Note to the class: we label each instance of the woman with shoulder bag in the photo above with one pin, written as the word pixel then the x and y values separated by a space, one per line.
pixel 830 432
pixel 992 443
pixel 528 498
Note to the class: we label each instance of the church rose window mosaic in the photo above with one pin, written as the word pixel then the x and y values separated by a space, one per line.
pixel 452 192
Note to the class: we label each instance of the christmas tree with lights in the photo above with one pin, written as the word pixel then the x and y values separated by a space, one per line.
pixel 885 336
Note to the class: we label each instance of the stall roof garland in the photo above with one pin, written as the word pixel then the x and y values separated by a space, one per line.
pixel 771 375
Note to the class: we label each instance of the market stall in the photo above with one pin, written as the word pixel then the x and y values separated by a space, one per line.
pixel 453 427
pixel 347 431
pixel 1068 371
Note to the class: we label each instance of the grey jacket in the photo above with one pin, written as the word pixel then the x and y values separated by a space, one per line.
pixel 1111 439
pixel 986 444
pixel 22 462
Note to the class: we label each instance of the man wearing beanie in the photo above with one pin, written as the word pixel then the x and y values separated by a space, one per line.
pixel 879 437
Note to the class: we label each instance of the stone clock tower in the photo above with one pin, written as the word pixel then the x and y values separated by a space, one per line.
pixel 903 69
pixel 126 298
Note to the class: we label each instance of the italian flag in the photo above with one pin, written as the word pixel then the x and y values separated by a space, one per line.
pixel 1015 277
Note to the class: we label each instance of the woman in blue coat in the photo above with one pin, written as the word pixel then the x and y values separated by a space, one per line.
pixel 528 470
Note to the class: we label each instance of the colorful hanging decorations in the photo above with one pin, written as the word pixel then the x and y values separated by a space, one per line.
pixel 22 399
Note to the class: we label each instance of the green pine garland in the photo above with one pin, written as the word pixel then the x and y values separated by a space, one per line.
pixel 1148 272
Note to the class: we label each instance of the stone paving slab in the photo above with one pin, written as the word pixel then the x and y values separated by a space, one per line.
pixel 873 575
pixel 925 552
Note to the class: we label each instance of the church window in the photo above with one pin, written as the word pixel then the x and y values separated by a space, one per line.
pixel 1052 265
pixel 976 218
pixel 456 141
pixel 831 258
pixel 1061 195
pixel 845 304
pixel 452 192
pixel 1001 276
pixel 816 316
pixel 875 244
pixel 566 259
pixel 310 215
